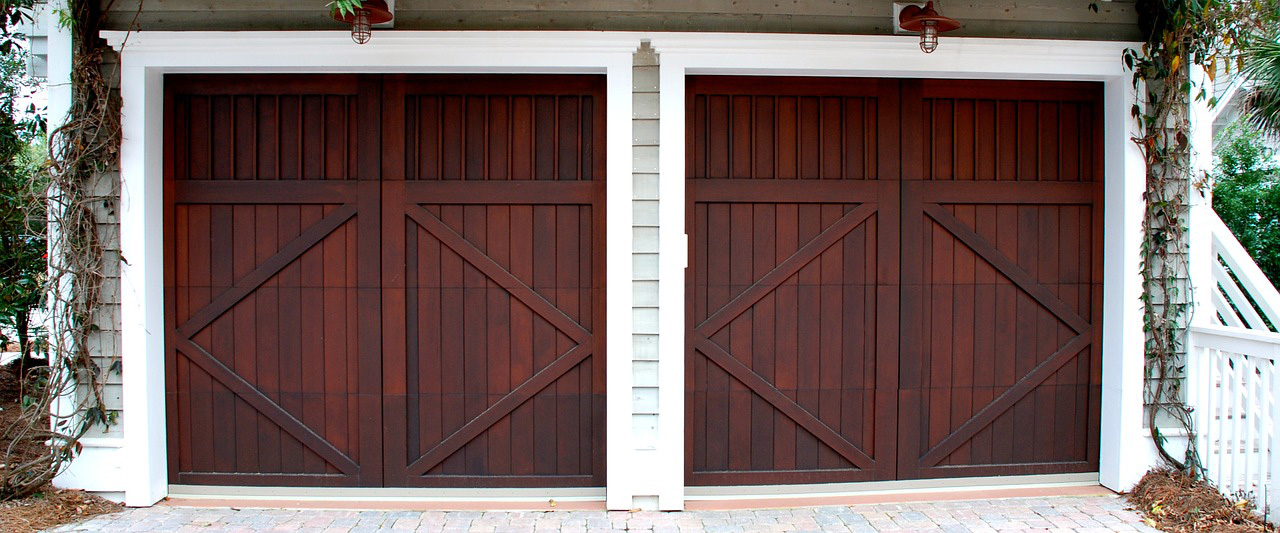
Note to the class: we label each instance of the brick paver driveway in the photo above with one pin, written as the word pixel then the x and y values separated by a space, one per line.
pixel 1060 514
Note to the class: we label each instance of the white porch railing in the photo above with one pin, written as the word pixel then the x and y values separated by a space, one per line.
pixel 1232 380
pixel 1232 388
pixel 1235 275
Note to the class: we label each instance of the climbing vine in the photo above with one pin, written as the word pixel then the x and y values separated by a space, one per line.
pixel 81 153
pixel 1181 35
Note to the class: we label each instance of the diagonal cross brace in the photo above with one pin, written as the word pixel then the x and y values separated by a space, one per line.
pixel 770 281
pixel 270 409
pixel 1007 399
pixel 504 278
pixel 1007 267
pixel 783 403
pixel 277 262
pixel 517 397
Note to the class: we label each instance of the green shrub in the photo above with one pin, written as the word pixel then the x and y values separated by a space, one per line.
pixel 1246 193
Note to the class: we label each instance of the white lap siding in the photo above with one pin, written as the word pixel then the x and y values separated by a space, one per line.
pixel 644 209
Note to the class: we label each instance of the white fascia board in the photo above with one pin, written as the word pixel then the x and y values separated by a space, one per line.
pixel 893 56
pixel 387 52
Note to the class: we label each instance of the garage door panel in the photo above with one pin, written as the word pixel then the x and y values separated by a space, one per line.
pixel 250 380
pixel 490 342
pixel 1032 132
pixel 494 267
pixel 785 137
pixel 496 128
pixel 981 355
pixel 774 364
pixel 786 302
pixel 1000 315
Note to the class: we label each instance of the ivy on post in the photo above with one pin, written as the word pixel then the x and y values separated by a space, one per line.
pixel 1181 34
pixel 80 151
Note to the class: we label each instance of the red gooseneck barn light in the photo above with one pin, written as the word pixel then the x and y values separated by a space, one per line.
pixel 928 22
pixel 364 17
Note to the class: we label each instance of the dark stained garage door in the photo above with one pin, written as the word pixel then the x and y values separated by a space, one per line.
pixel 892 279
pixel 384 280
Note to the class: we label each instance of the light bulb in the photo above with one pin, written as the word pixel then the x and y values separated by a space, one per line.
pixel 361 30
pixel 929 36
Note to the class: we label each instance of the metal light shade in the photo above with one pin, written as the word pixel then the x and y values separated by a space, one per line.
pixel 364 17
pixel 928 23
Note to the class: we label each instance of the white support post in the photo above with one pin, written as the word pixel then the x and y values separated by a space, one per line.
pixel 1200 254
pixel 671 292
pixel 1127 450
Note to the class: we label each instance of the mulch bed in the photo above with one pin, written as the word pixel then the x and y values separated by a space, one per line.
pixel 1172 501
pixel 50 507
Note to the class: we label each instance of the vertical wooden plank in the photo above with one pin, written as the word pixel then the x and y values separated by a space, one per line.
pixel 718 151
pixel 830 335
pixel 943 141
pixel 964 312
pixel 740 345
pixel 808 349
pixel 985 144
pixel 244 145
pixel 312 133
pixel 499 139
pixel 986 321
pixel 199 148
pixel 1007 327
pixel 763 354
pixel 290 160
pixel 941 335
pixel 1029 352
pixel 430 147
pixel 453 348
pixel 763 134
pixel 832 138
pixel 475 323
pixel 1007 136
pixel 1028 141
pixel 544 339
pixel 786 338
pixel 290 344
pixel 788 157
pixel 856 136
pixel 740 141
pixel 809 124
pixel 220 137
pixel 566 282
pixel 475 111
pixel 965 146
pixel 267 335
pixel 498 307
pixel 719 292
pixel 544 129
pixel 522 338
pixel 452 135
pixel 1048 140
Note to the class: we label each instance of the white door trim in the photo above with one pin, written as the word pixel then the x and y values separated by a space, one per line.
pixel 1126 452
pixel 147 56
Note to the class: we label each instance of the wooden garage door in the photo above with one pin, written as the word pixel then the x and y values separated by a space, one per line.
pixel 383 280
pixel 1002 278
pixel 852 316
